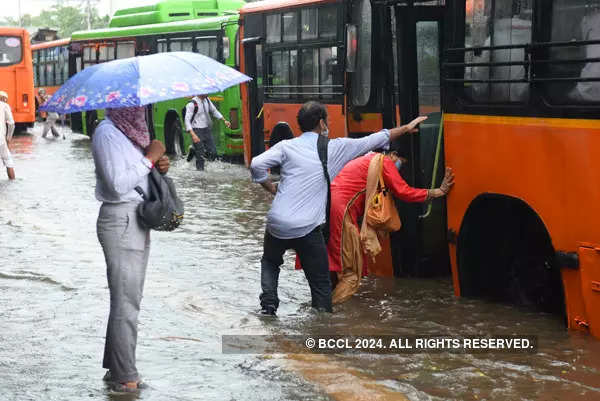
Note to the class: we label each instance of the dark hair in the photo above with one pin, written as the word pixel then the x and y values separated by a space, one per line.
pixel 310 114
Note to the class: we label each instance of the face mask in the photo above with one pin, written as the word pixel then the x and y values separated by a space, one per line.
pixel 398 164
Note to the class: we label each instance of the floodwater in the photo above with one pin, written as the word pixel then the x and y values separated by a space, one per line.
pixel 203 282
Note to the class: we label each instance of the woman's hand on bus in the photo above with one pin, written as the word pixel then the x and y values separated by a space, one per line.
pixel 409 128
pixel 163 165
pixel 227 123
pixel 448 181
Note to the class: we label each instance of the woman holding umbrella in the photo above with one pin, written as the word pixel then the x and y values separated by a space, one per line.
pixel 123 156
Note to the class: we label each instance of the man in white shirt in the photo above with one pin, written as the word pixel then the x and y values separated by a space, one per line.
pixel 299 209
pixel 51 117
pixel 198 122
pixel 7 127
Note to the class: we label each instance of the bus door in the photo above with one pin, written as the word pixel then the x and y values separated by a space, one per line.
pixel 75 66
pixel 253 50
pixel 420 248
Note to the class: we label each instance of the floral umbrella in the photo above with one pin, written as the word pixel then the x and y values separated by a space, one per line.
pixel 142 80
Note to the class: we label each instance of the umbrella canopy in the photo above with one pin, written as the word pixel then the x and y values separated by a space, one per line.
pixel 142 80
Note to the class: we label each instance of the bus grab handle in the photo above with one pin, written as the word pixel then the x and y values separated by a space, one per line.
pixel 435 166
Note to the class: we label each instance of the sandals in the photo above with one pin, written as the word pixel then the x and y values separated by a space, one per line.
pixel 121 387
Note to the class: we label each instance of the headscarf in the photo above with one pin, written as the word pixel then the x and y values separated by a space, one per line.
pixel 131 121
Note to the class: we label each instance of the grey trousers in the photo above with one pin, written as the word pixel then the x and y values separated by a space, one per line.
pixel 126 246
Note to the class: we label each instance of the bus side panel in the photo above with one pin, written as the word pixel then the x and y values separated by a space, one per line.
pixel 547 163
pixel 288 112
pixel 229 141
pixel 365 123
pixel 17 81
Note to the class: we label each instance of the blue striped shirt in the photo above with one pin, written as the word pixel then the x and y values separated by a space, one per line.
pixel 301 199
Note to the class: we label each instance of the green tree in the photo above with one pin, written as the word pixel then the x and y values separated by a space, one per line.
pixel 65 19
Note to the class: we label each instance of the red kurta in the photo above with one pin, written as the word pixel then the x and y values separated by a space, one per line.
pixel 348 192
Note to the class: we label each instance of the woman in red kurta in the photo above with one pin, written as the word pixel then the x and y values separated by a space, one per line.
pixel 348 201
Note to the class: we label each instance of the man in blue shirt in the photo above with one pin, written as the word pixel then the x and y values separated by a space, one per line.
pixel 298 210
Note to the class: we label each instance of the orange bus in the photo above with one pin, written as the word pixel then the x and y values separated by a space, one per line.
pixel 512 91
pixel 50 66
pixel 16 77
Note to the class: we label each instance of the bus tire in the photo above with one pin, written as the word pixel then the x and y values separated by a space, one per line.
pixel 505 254
pixel 174 137
pixel 91 122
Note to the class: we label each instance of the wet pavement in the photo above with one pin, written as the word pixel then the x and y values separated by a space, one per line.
pixel 203 282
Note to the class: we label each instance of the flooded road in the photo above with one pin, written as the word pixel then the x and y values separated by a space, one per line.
pixel 203 282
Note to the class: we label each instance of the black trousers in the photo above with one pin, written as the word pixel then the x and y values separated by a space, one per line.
pixel 312 251
pixel 205 148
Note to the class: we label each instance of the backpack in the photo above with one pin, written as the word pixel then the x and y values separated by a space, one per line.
pixel 184 110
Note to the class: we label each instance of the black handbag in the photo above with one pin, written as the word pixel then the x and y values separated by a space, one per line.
pixel 161 209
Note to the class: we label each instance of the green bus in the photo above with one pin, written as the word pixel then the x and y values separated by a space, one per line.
pixel 206 27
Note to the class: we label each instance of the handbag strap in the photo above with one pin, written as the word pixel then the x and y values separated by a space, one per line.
pixel 381 182
pixel 151 176
pixel 322 145
pixel 140 191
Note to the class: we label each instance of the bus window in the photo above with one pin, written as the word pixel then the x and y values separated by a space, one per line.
pixel 279 74
pixel 497 23
pixel 36 77
pixel 181 45
pixel 106 52
pixel 10 50
pixel 328 68
pixel 361 79
pixel 50 74
pixel 89 56
pixel 64 51
pixel 162 46
pixel 428 64
pixel 290 27
pixel 310 71
pixel 125 49
pixel 42 69
pixel 207 46
pixel 237 49
pixel 575 20
pixel 328 22
pixel 309 23
pixel 274 28
pixel 259 67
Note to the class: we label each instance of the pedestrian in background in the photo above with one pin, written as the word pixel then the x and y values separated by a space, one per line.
pixel 7 128
pixel 198 122
pixel 298 210
pixel 51 117
pixel 124 156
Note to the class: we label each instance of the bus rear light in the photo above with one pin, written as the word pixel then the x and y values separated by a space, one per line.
pixel 233 119
pixel 25 100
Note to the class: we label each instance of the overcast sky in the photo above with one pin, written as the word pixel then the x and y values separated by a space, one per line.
pixel 10 8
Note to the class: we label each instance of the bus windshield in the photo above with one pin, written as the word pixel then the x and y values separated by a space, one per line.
pixel 10 50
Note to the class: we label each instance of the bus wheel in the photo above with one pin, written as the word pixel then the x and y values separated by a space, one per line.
pixel 505 254
pixel 91 121
pixel 174 137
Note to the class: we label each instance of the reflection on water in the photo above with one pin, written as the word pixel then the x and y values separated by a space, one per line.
pixel 203 281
